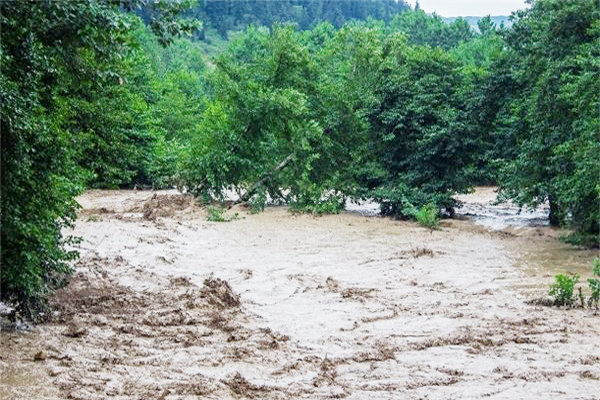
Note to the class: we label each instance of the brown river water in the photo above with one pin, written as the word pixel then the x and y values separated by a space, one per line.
pixel 165 305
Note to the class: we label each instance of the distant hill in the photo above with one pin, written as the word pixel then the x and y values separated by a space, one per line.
pixel 231 15
pixel 499 20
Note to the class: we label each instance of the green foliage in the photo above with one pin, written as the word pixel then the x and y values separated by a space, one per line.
pixel 481 51
pixel 66 118
pixel 422 29
pixel 217 214
pixel 563 289
pixel 40 176
pixel 262 129
pixel 428 216
pixel 136 132
pixel 366 123
pixel 594 284
pixel 583 239
pixel 231 15
pixel 316 203
pixel 421 143
pixel 258 202
pixel 554 48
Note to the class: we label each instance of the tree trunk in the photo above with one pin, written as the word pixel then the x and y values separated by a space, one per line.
pixel 553 217
pixel 246 196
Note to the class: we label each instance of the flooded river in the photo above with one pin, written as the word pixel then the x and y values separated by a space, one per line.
pixel 165 305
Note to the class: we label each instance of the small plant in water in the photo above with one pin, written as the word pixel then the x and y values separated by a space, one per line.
pixel 217 214
pixel 594 284
pixel 563 288
pixel 257 203
pixel 428 216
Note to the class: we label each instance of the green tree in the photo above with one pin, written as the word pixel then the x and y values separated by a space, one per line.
pixel 554 51
pixel 278 124
pixel 52 53
pixel 260 116
pixel 421 141
pixel 422 29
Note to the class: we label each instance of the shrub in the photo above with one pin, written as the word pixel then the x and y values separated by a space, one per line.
pixel 257 203
pixel 428 216
pixel 594 284
pixel 583 239
pixel 562 289
pixel 217 214
pixel 318 206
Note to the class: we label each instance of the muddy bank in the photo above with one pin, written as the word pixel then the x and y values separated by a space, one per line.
pixel 165 305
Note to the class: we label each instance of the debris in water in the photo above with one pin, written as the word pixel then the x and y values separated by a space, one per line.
pixel 219 293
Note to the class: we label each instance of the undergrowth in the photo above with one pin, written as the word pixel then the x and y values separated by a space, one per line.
pixel 217 214
pixel 588 240
pixel 563 289
pixel 428 216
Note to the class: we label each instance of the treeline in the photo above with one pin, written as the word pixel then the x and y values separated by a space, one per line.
pixel 234 15
pixel 408 112
pixel 500 20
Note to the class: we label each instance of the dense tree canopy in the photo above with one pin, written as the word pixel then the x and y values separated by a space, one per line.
pixel 423 29
pixel 228 15
pixel 554 49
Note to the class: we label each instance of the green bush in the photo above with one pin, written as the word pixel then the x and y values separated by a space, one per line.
pixel 590 240
pixel 422 139
pixel 217 214
pixel 428 216
pixel 563 288
pixel 310 199
pixel 594 284
pixel 328 206
pixel 257 203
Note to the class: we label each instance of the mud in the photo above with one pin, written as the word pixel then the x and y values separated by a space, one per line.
pixel 165 305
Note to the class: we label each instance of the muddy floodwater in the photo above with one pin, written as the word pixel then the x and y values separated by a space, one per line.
pixel 165 305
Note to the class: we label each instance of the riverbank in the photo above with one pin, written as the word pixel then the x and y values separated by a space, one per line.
pixel 167 305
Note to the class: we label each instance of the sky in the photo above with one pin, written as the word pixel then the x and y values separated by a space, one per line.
pixel 466 8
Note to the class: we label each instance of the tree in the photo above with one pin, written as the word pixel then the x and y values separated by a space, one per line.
pixel 422 29
pixel 278 125
pixel 554 50
pixel 259 117
pixel 228 15
pixel 421 142
pixel 55 55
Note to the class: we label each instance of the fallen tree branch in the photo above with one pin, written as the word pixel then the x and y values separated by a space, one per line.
pixel 246 196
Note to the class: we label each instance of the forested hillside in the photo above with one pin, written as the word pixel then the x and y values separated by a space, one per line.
pixel 499 20
pixel 231 15
pixel 357 99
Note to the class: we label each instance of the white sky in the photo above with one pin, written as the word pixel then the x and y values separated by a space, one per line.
pixel 466 8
